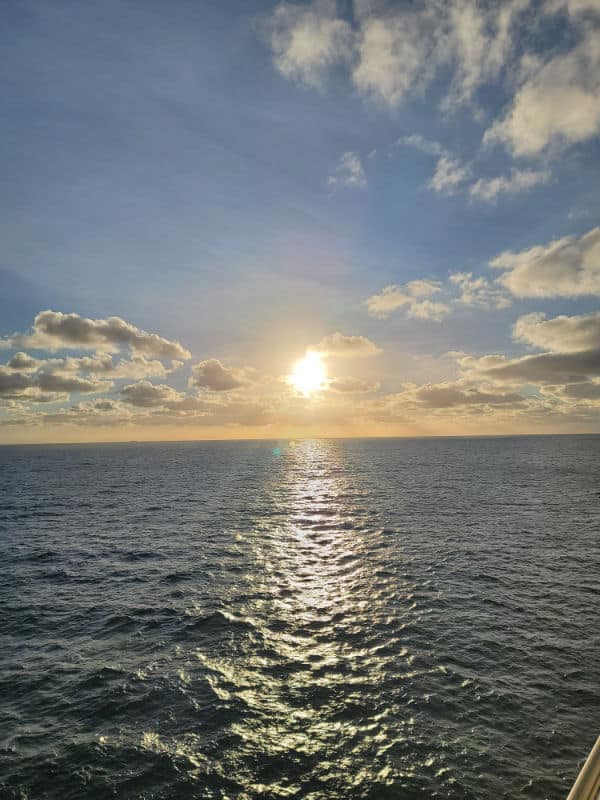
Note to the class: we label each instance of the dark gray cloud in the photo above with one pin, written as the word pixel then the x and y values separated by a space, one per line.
pixel 543 368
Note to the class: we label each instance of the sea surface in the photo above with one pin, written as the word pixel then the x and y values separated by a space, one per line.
pixel 321 619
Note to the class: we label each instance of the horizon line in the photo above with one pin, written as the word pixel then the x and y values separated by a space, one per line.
pixel 301 438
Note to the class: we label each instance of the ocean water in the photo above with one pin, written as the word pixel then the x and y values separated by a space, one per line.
pixel 326 619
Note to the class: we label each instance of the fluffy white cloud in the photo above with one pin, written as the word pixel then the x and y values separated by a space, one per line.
pixel 340 345
pixel 478 291
pixel 413 297
pixel 53 330
pixel 561 334
pixel 558 102
pixel 519 180
pixel 212 375
pixel 349 172
pixel 568 267
pixel 307 40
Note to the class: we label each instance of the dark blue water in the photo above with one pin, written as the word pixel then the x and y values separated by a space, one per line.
pixel 347 619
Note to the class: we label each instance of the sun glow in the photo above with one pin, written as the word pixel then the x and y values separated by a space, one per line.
pixel 309 374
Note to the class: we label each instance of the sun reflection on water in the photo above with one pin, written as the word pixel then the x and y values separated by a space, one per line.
pixel 317 639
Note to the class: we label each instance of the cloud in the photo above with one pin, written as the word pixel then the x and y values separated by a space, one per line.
pixel 479 292
pixel 149 395
pixel 568 267
pixel 552 368
pixel 351 385
pixel 307 40
pixel 419 142
pixel 480 41
pixel 574 8
pixel 392 52
pixel 23 362
pixel 572 356
pixel 349 172
pixel 413 297
pixel 340 345
pixel 396 54
pixel 103 364
pixel 557 104
pixel 212 375
pixel 49 382
pixel 27 386
pixel 449 173
pixel 53 330
pixel 561 334
pixel 581 391
pixel 14 384
pixel 488 189
pixel 449 395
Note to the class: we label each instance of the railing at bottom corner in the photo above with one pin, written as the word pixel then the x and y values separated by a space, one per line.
pixel 587 785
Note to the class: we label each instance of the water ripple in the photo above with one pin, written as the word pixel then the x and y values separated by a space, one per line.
pixel 376 619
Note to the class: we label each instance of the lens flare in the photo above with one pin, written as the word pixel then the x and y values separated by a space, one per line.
pixel 308 375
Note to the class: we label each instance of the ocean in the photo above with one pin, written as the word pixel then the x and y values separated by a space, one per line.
pixel 392 618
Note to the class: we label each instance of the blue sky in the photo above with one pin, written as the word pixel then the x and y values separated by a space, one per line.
pixel 241 178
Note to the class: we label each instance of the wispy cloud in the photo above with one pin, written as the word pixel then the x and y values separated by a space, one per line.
pixel 392 52
pixel 519 180
pixel 449 173
pixel 349 172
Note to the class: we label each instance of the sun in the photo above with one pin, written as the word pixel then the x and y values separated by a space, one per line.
pixel 308 375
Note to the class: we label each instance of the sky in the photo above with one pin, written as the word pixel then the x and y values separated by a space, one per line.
pixel 197 196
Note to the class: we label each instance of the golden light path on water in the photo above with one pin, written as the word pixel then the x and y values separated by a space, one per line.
pixel 323 646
